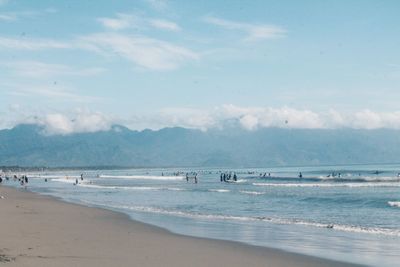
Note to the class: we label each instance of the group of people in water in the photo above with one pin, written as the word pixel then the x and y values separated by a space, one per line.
pixel 192 175
pixel 23 179
pixel 227 176
pixel 77 181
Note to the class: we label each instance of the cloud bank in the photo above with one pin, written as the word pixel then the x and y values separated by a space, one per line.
pixel 81 122
pixel 222 117
pixel 253 118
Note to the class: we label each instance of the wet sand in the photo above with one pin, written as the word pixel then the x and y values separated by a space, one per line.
pixel 42 231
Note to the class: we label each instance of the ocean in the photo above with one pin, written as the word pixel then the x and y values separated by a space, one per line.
pixel 346 213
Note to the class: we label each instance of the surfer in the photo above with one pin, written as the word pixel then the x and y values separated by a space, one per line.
pixel 81 176
pixel 235 177
pixel 187 177
pixel 300 175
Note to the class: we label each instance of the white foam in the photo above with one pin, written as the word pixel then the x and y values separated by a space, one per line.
pixel 344 228
pixel 240 181
pixel 219 190
pixel 252 192
pixel 150 188
pixel 143 177
pixel 176 189
pixel 380 179
pixel 64 180
pixel 396 184
pixel 59 176
pixel 394 204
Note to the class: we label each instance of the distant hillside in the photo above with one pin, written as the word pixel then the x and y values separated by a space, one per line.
pixel 25 145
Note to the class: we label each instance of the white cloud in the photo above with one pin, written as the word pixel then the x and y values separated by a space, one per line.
pixel 254 32
pixel 32 44
pixel 164 25
pixel 17 15
pixel 222 117
pixel 257 117
pixel 253 118
pixel 249 122
pixel 54 92
pixel 57 123
pixel 122 21
pixel 145 52
pixel 81 122
pixel 159 5
pixel 368 119
pixel 37 69
pixel 8 17
pixel 125 21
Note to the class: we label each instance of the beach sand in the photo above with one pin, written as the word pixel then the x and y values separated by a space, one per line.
pixel 42 231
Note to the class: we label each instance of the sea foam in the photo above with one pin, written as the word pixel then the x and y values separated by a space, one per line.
pixel 338 227
pixel 394 204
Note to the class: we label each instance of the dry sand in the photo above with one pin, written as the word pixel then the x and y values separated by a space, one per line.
pixel 42 231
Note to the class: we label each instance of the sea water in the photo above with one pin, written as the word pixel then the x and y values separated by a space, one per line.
pixel 353 217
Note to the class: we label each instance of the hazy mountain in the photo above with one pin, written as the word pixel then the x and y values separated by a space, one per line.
pixel 26 145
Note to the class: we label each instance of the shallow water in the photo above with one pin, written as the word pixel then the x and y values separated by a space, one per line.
pixel 354 217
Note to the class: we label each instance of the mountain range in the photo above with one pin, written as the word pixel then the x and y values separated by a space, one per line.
pixel 28 145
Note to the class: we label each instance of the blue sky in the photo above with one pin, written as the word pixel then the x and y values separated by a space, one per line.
pixel 83 65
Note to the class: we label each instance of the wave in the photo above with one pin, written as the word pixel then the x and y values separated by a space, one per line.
pixel 252 192
pixel 64 180
pixel 343 179
pixel 239 181
pixel 151 188
pixel 143 177
pixel 58 176
pixel 376 179
pixel 329 184
pixel 338 227
pixel 219 190
pixel 394 204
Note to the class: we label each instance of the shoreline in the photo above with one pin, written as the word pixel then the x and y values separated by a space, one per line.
pixel 39 230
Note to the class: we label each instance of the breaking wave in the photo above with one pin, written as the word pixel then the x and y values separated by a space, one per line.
pixel 394 204
pixel 143 177
pixel 338 227
pixel 395 184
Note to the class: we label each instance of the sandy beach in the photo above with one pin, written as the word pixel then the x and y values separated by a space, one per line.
pixel 42 231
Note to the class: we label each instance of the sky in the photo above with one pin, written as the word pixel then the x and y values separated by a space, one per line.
pixel 81 66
